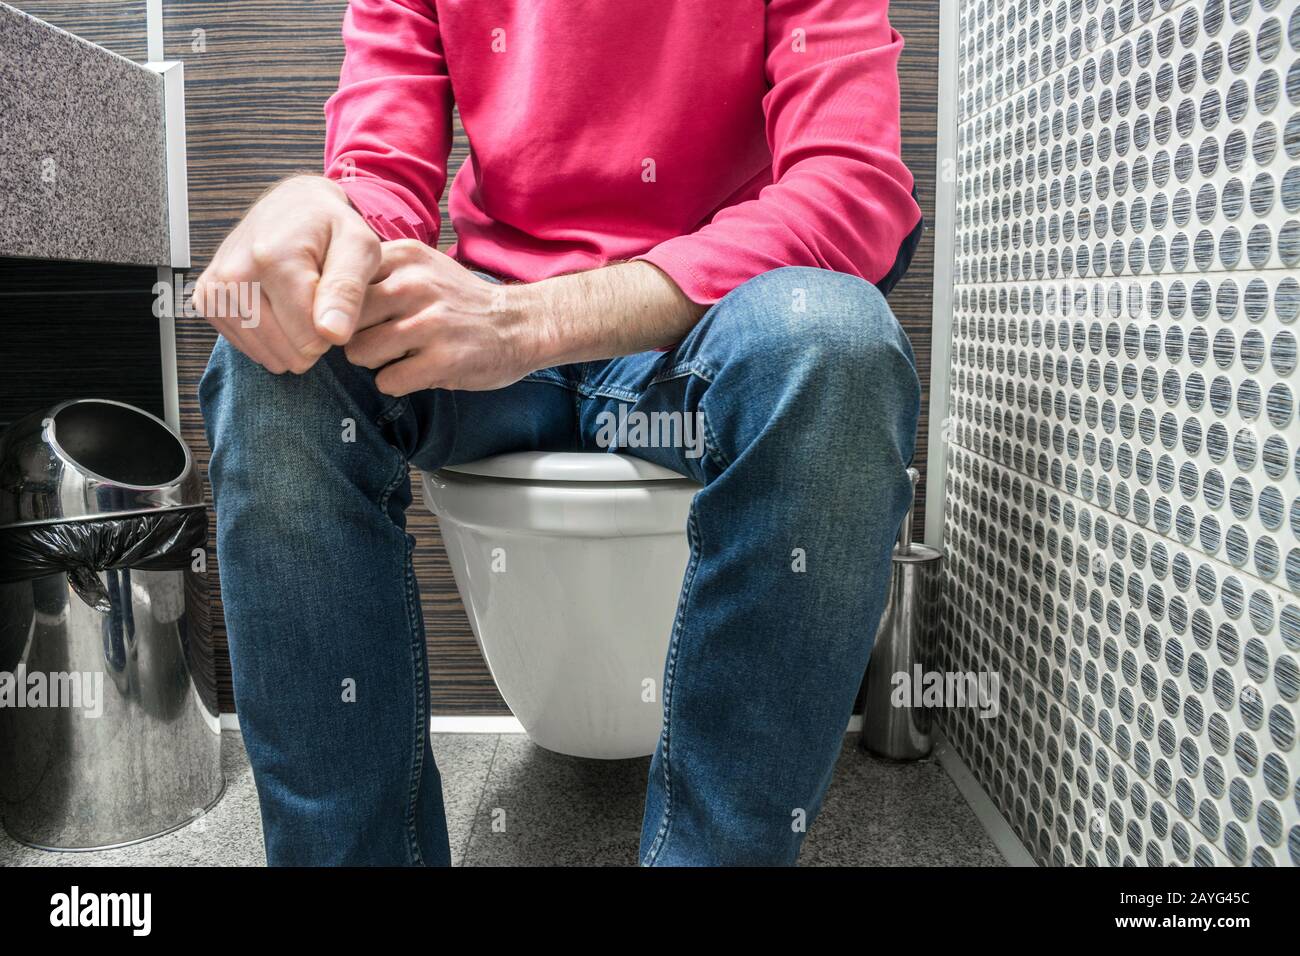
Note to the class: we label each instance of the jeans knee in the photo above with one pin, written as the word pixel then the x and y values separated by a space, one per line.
pixel 825 340
pixel 242 403
pixel 272 434
pixel 804 314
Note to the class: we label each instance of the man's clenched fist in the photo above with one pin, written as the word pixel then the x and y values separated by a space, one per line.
pixel 290 280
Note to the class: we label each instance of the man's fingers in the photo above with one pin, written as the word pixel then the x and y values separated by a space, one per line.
pixel 290 293
pixel 253 347
pixel 299 262
pixel 278 336
pixel 384 301
pixel 266 338
pixel 350 263
pixel 384 343
pixel 398 252
pixel 236 321
pixel 402 378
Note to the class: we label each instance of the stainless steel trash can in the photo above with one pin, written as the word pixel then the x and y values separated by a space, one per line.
pixel 895 722
pixel 109 731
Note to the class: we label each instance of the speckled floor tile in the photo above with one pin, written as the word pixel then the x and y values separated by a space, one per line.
pixel 463 761
pixel 544 809
pixel 882 813
pixel 554 810
pixel 511 803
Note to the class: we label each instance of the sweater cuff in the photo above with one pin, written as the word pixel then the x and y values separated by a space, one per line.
pixel 681 272
pixel 385 213
pixel 667 257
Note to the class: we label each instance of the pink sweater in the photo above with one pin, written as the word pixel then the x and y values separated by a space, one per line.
pixel 716 139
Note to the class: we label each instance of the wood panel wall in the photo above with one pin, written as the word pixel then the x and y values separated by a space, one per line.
pixel 257 73
pixel 913 297
pixel 117 25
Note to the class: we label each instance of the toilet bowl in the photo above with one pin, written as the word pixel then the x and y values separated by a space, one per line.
pixel 570 565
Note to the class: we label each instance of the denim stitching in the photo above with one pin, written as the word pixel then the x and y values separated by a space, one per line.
pixel 417 762
pixel 611 391
pixel 578 399
pixel 665 824
pixel 543 379
pixel 393 412
pixel 711 444
pixel 396 480
pixel 421 684
pixel 694 367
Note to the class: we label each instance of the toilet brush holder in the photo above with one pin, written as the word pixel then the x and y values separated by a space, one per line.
pixel 895 722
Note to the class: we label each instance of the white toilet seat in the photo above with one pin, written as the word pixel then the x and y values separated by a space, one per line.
pixel 565 466
pixel 569 494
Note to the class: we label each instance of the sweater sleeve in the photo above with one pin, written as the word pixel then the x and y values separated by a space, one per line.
pixel 388 127
pixel 840 196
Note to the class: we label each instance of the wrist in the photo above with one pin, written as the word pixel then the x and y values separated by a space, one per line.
pixel 313 186
pixel 525 312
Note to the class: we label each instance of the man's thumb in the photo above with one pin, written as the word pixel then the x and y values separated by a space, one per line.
pixel 341 291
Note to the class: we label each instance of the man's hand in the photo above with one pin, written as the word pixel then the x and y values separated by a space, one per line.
pixel 288 283
pixel 428 322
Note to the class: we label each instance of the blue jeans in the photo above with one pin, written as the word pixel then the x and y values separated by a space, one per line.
pixel 808 393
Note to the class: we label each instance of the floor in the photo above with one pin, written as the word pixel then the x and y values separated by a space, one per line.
pixel 510 803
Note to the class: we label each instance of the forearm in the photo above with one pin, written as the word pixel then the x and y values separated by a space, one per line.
pixel 603 313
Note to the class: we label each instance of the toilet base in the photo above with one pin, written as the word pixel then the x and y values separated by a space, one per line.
pixel 571 589
pixel 580 667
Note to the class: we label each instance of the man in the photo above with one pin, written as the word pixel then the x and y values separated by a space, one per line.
pixel 695 206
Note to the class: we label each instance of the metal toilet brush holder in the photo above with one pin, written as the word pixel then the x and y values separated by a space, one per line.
pixel 901 729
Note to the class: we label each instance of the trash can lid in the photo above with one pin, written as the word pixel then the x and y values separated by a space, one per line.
pixel 91 458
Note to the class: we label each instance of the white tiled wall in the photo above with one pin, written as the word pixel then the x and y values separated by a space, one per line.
pixel 1123 476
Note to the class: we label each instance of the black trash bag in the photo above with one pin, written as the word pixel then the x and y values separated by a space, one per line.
pixel 151 540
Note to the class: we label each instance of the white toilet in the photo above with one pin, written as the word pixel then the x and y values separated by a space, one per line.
pixel 570 565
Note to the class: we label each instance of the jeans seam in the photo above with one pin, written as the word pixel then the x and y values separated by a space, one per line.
pixel 540 378
pixel 408 574
pixel 421 682
pixel 693 367
pixel 711 445
pixel 396 480
pixel 393 412
pixel 665 824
